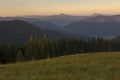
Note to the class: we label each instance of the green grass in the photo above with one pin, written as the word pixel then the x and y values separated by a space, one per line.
pixel 100 66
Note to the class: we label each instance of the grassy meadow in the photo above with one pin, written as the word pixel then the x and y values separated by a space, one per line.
pixel 96 66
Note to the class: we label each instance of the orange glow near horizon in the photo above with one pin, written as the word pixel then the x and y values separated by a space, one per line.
pixel 51 7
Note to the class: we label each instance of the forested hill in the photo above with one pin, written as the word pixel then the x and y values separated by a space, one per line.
pixel 19 31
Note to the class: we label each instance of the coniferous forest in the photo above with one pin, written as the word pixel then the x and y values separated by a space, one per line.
pixel 36 49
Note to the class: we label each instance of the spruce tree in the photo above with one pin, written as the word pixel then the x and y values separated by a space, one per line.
pixel 19 57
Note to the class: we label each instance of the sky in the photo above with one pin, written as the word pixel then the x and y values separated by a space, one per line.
pixel 51 7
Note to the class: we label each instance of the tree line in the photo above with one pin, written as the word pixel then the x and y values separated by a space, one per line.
pixel 36 49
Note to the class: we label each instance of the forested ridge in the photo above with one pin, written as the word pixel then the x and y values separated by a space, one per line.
pixel 36 49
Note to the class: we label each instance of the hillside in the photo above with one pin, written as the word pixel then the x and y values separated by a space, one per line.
pixel 100 66
pixel 39 23
pixel 19 31
pixel 104 26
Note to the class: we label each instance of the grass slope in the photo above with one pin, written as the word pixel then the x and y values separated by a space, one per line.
pixel 101 66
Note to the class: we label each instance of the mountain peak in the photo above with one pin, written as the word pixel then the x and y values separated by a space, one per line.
pixel 99 14
pixel 98 18
pixel 63 14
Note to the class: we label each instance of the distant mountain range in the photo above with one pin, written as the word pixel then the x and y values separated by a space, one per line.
pixel 60 19
pixel 106 26
pixel 44 25
pixel 100 25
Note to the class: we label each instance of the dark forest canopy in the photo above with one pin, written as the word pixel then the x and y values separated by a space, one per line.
pixel 36 49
